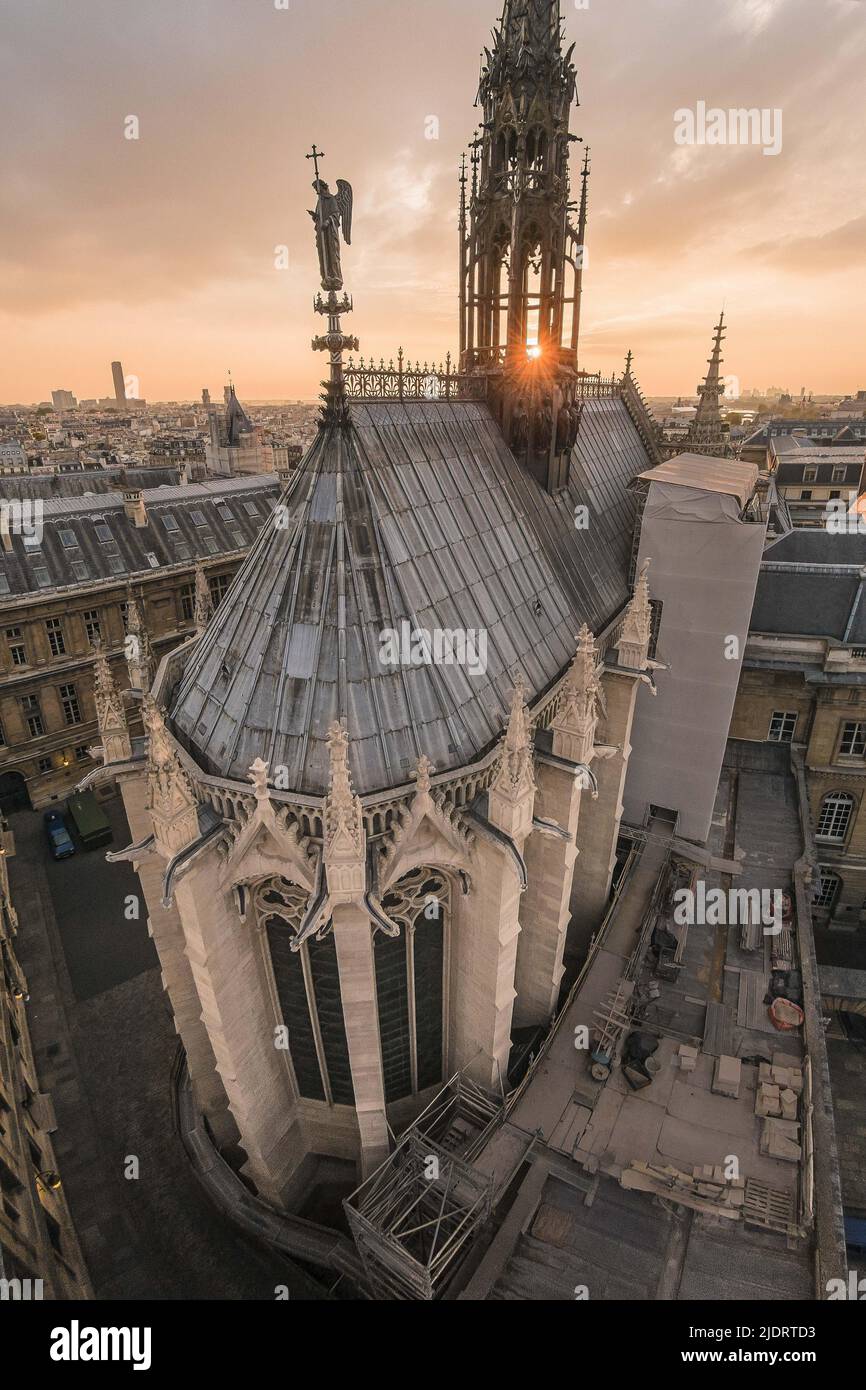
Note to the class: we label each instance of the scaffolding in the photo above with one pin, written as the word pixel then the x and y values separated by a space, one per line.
pixel 413 1218
pixel 461 1116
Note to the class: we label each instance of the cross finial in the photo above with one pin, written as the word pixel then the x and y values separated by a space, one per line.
pixel 315 156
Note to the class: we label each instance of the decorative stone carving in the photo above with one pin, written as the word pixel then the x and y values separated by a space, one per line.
pixel 171 800
pixel 259 779
pixel 429 832
pixel 576 719
pixel 110 714
pixel 634 639
pixel 512 791
pixel 139 656
pixel 203 601
pixel 345 838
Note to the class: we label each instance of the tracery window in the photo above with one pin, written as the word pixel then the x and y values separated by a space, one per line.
pixel 410 983
pixel 308 990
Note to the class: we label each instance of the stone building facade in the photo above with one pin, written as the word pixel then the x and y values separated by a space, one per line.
pixel 804 683
pixel 99 558
pixel 39 1252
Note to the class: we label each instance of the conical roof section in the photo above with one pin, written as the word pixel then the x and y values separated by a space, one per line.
pixel 413 516
pixel 237 420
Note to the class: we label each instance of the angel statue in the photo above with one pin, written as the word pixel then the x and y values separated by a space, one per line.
pixel 332 211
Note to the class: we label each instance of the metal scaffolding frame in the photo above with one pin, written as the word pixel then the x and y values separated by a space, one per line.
pixel 413 1218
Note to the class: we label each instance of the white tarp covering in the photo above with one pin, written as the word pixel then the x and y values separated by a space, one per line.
pixel 705 564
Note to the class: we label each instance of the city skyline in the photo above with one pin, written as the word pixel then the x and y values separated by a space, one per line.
pixel 162 250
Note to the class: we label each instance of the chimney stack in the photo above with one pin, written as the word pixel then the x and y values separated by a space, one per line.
pixel 133 506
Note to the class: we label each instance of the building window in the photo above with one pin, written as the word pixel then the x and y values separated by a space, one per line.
pixel 82 753
pixel 198 517
pixel 169 522
pixel 810 475
pixel 783 726
pixel 219 584
pixel 44 765
pixel 92 626
pixel 69 702
pixel 68 539
pixel 805 496
pixel 187 603
pixel 410 983
pixel 17 649
pixel 835 816
pixel 33 715
pixel 826 888
pixel 853 744
pixel 839 474
pixel 308 988
pixel 251 509
pixel 54 628
pixel 102 532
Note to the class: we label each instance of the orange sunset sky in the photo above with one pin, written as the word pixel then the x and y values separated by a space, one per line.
pixel 161 251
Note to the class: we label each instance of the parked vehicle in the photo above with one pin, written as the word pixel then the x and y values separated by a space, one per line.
pixel 59 840
pixel 89 821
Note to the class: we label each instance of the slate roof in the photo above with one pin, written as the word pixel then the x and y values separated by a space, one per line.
pixel 82 481
pixel 87 539
pixel 417 514
pixel 816 595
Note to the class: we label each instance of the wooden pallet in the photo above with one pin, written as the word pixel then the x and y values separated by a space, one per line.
pixel 769 1207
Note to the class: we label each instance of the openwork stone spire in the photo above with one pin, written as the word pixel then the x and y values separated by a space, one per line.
pixel 577 717
pixel 345 837
pixel 110 714
pixel 170 797
pixel 633 645
pixel 706 435
pixel 203 600
pixel 139 655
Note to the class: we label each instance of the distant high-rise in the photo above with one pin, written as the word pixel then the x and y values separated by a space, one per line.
pixel 63 400
pixel 119 383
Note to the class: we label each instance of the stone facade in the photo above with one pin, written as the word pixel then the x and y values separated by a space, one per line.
pixel 828 720
pixel 37 1238
pixel 372 890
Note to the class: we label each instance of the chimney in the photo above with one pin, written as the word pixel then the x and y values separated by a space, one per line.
pixel 133 506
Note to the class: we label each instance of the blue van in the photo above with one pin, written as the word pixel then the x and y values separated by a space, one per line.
pixel 59 840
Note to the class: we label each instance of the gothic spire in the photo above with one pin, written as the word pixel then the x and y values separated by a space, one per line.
pixel 110 714
pixel 576 718
pixel 634 639
pixel 139 655
pixel 529 36
pixel 170 797
pixel 706 434
pixel 517 265
pixel 512 792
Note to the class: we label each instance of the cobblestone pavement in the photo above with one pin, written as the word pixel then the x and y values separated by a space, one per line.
pixel 104 1044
